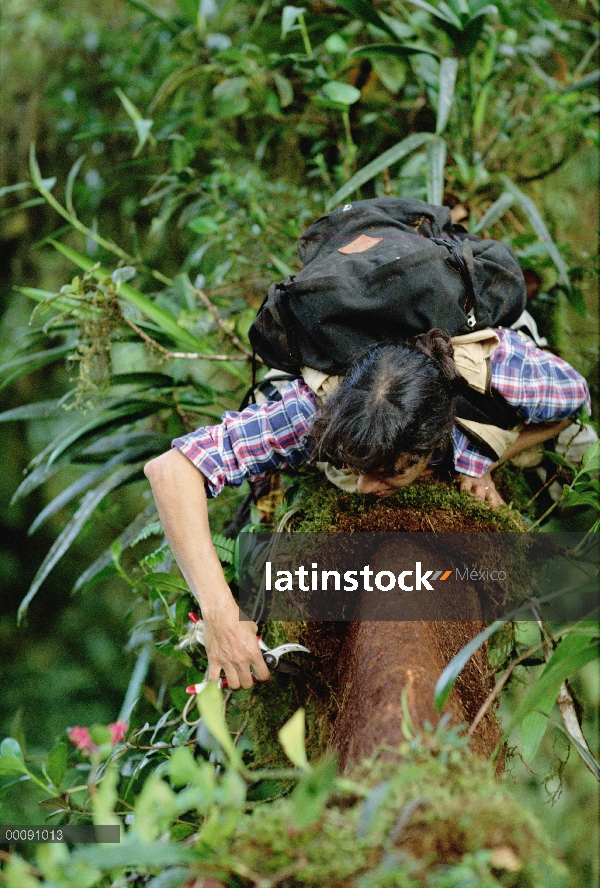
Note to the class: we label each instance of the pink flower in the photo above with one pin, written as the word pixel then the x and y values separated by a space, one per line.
pixel 118 731
pixel 81 739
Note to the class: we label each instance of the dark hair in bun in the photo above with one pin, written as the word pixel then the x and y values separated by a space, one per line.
pixel 397 399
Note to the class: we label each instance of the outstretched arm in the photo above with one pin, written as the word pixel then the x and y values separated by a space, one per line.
pixel 483 488
pixel 179 490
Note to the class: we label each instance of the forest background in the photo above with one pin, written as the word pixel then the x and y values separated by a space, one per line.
pixel 184 147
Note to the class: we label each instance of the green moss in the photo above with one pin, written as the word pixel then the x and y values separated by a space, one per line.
pixel 437 817
pixel 321 504
pixel 270 705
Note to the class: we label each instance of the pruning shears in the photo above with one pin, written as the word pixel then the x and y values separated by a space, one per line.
pixel 271 655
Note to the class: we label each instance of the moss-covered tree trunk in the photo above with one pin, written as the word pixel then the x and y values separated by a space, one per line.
pixel 368 677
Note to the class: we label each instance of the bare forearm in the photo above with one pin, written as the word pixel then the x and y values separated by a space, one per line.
pixel 483 488
pixel 180 494
pixel 533 435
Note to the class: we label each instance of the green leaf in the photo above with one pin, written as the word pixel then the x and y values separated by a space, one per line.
pixel 591 458
pixel 78 487
pixel 533 729
pixel 291 737
pixel 164 582
pixel 539 226
pixel 57 764
pixel 436 161
pixel 446 681
pixel 313 791
pixel 31 362
pixel 155 14
pixel 165 321
pixel 62 543
pixel 142 126
pixel 585 82
pixel 135 855
pixel 444 13
pixel 204 225
pixel 559 460
pixel 11 757
pixel 38 410
pixel 11 748
pixel 124 539
pixel 495 212
pixel 289 16
pixel 224 547
pixel 573 652
pixel 182 767
pixel 401 50
pixel 284 88
pixel 385 160
pixel 341 93
pixel 73 172
pixel 447 76
pixel 80 433
pixel 210 703
pixel 584 753
pixel 36 478
pixel 364 11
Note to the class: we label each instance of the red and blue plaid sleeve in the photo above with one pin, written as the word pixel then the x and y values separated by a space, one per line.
pixel 541 386
pixel 254 441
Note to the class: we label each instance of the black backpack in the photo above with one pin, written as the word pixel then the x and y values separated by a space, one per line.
pixel 384 270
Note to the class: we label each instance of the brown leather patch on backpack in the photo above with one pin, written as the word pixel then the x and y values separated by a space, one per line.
pixel 360 245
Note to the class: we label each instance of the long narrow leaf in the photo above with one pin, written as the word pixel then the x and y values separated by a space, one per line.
pixel 89 503
pixel 124 539
pixel 401 50
pixel 36 478
pixel 138 676
pixel 448 69
pixel 58 303
pixel 115 413
pixel 73 172
pixel 574 652
pixel 113 443
pixel 583 753
pixel 436 161
pixel 539 226
pixel 155 14
pixel 81 484
pixel 495 212
pixel 585 82
pixel 364 11
pixel 446 15
pixel 446 681
pixel 128 413
pixel 38 410
pixel 167 323
pixel 385 160
pixel 29 363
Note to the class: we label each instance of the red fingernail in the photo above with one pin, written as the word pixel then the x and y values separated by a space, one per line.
pixel 193 617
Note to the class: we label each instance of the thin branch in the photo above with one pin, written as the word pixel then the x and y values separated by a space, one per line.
pixel 166 354
pixel 499 685
pixel 221 323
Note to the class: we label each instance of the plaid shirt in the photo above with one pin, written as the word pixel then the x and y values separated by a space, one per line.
pixel 262 438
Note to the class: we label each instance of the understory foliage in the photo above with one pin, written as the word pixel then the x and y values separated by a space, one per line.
pixel 163 162
pixel 434 818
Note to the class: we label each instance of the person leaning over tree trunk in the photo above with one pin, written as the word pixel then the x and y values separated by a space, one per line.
pixel 391 418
